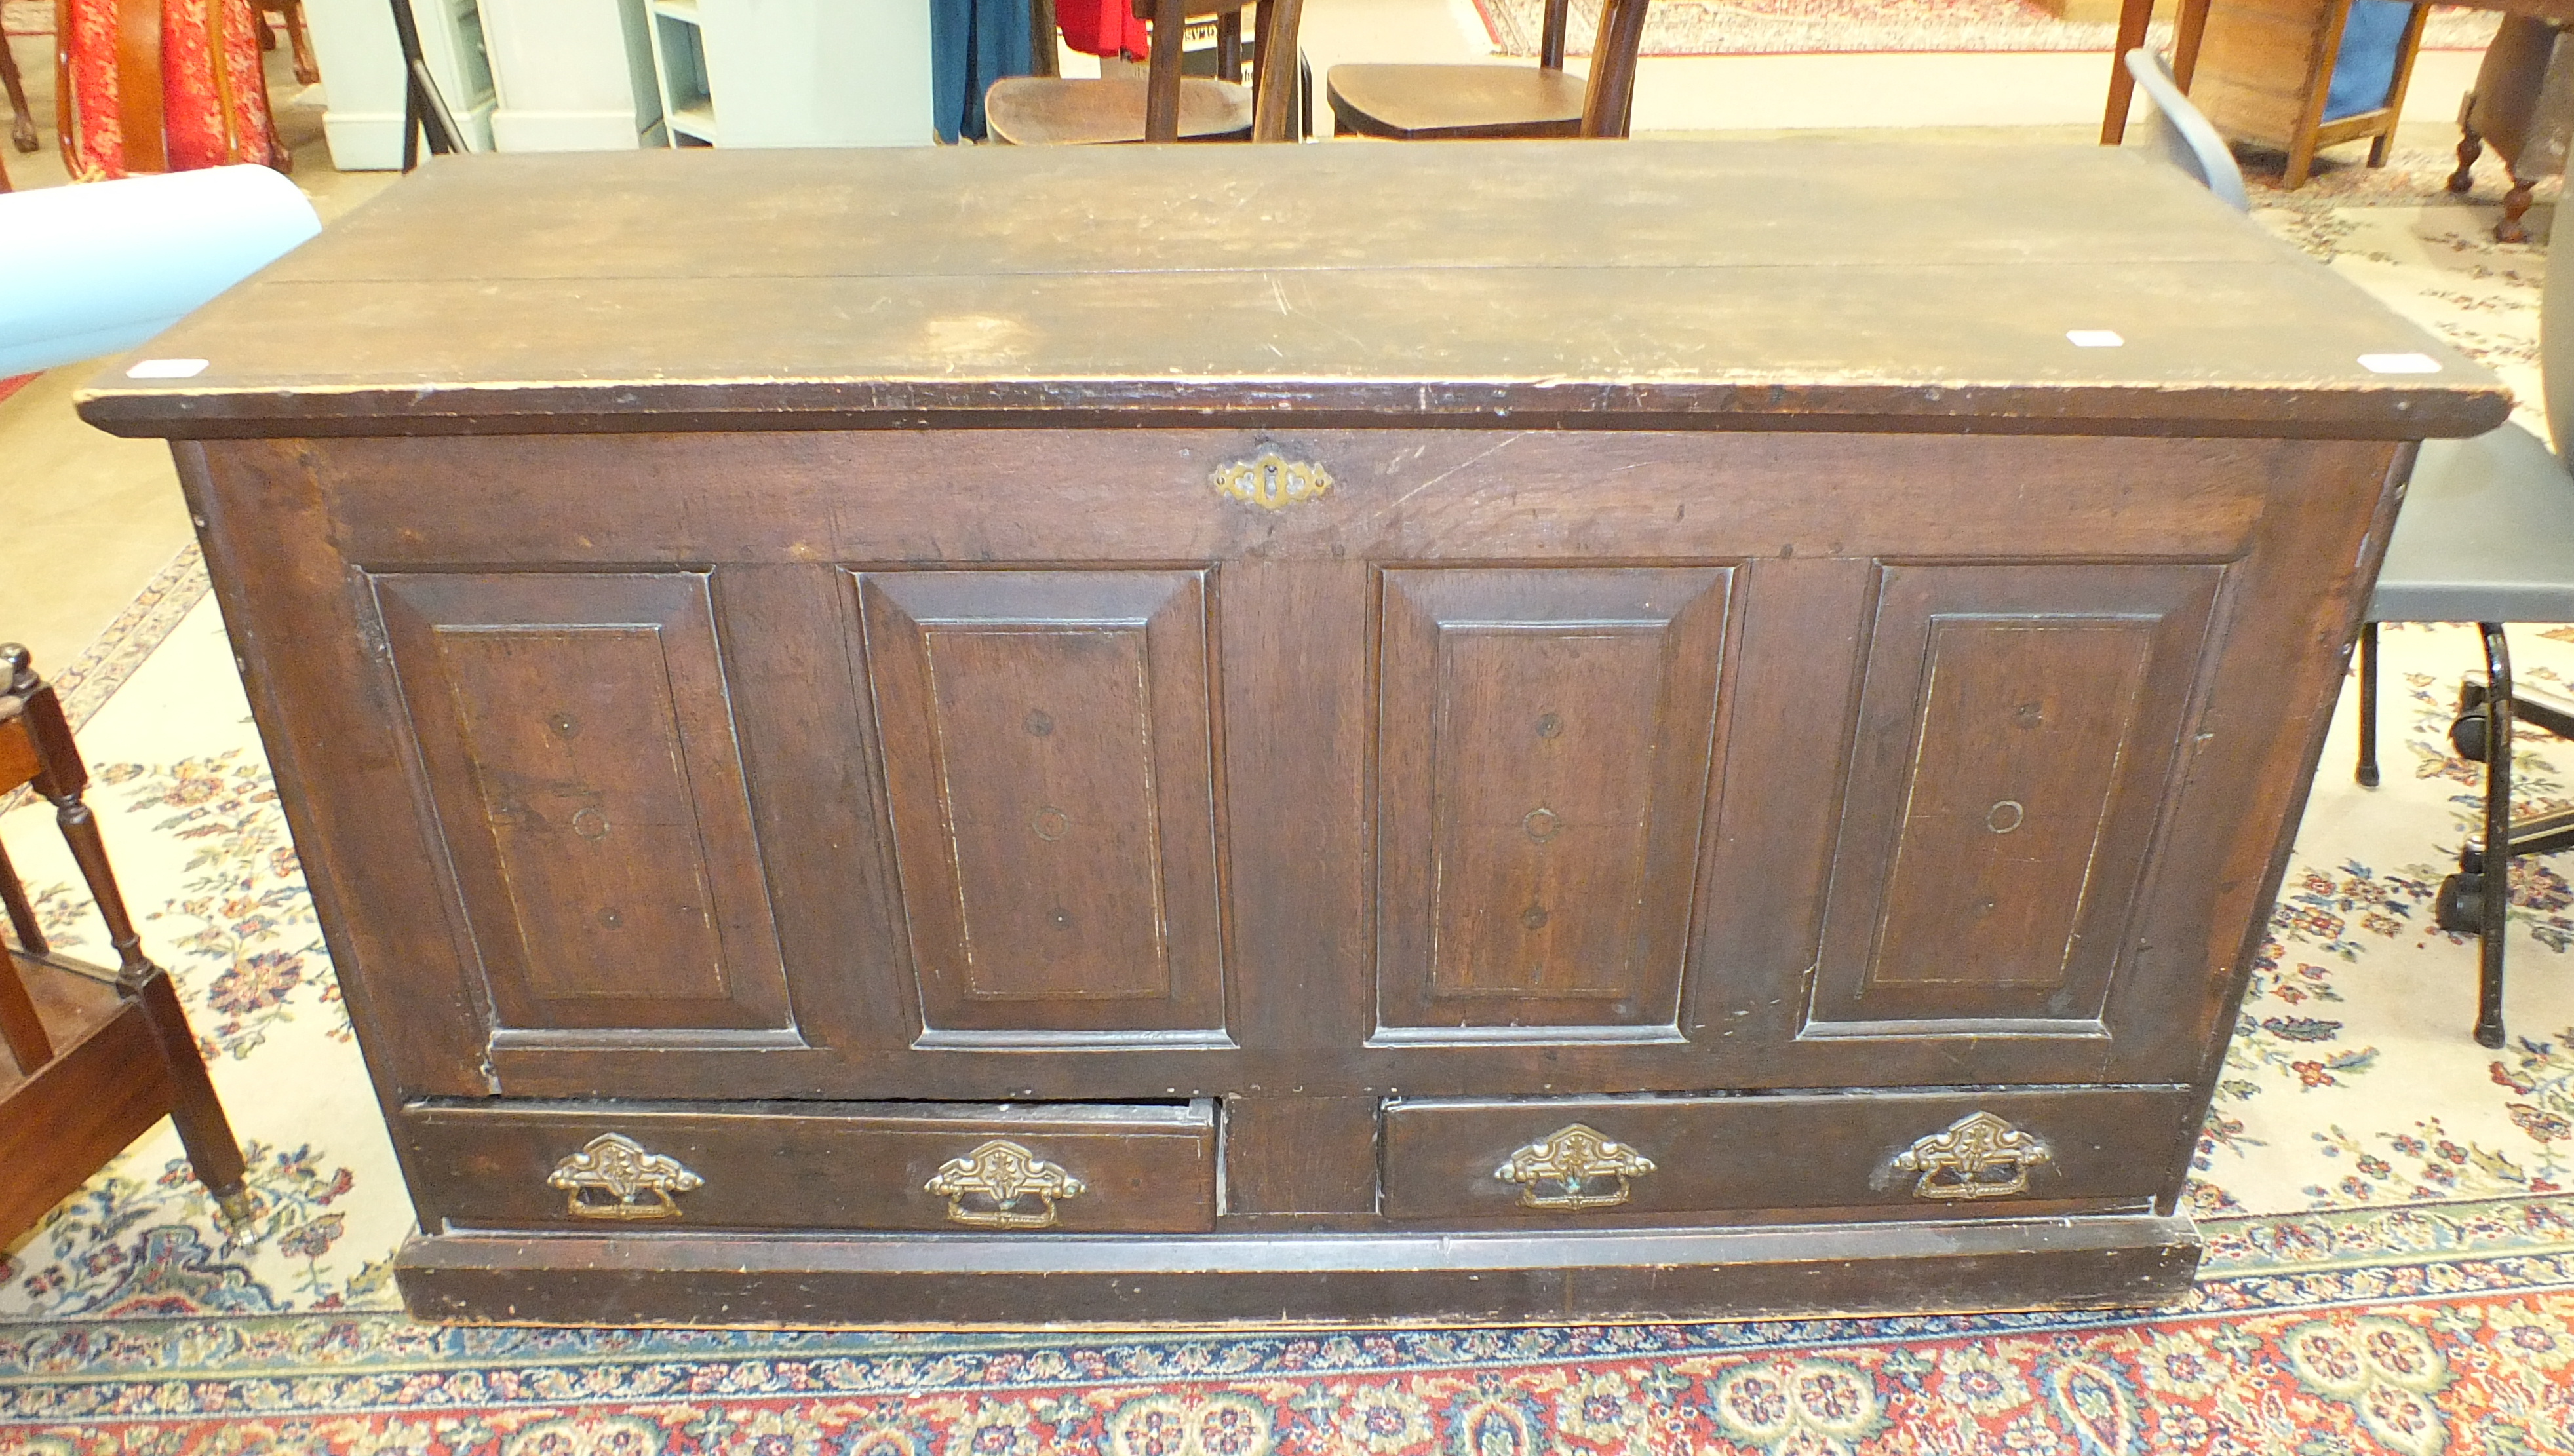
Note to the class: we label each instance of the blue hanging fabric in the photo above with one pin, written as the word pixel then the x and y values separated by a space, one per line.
pixel 972 43
pixel 2364 71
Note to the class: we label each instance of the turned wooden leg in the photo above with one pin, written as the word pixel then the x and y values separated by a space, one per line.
pixel 2470 147
pixel 22 122
pixel 308 72
pixel 2514 203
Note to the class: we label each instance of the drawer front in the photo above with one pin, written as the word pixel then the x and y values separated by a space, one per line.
pixel 1607 1158
pixel 962 1168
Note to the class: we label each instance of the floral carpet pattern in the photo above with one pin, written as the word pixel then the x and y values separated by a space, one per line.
pixel 2388 1208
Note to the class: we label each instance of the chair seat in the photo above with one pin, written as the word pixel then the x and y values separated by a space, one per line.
pixel 1032 111
pixel 1426 103
pixel 2486 535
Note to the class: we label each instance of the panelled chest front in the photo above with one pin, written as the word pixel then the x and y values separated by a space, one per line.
pixel 1472 732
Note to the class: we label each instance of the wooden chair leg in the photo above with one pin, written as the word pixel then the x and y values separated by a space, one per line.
pixel 22 120
pixel 2470 147
pixel 300 40
pixel 2302 161
pixel 204 1130
pixel 2382 145
pixel 2515 204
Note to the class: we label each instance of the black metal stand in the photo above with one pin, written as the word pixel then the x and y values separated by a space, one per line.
pixel 423 108
pixel 2476 901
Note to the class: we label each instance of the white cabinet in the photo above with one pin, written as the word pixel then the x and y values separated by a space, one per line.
pixel 792 73
pixel 362 75
pixel 572 75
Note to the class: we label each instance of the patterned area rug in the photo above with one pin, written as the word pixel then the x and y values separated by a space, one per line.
pixel 1757 27
pixel 2389 1209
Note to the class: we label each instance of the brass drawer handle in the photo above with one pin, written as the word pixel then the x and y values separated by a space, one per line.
pixel 1002 1173
pixel 1978 1156
pixel 1572 1158
pixel 623 1170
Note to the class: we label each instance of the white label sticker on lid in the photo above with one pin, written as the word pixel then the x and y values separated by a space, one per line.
pixel 2094 338
pixel 167 369
pixel 2399 363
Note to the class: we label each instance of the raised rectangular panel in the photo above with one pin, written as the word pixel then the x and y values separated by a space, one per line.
pixel 1543 757
pixel 2016 728
pixel 578 747
pixel 1048 741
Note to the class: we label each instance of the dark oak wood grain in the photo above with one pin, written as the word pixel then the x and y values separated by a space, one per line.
pixel 1510 659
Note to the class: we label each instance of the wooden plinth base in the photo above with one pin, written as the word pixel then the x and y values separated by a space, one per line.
pixel 2098 1262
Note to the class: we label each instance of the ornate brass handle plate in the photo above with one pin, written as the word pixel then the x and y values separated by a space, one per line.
pixel 1272 482
pixel 1978 1156
pixel 1000 1177
pixel 1576 1160
pixel 613 1175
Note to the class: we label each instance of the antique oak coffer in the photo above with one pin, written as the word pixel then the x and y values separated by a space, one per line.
pixel 1487 731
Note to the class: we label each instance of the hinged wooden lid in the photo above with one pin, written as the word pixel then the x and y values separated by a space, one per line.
pixel 1901 285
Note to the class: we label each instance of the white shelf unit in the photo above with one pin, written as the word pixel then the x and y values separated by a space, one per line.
pixel 678 32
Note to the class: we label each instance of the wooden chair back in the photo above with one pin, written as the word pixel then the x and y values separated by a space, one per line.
pixel 1273 66
pixel 1439 103
pixel 1028 110
pixel 1609 97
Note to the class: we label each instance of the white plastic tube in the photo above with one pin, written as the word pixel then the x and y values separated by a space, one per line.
pixel 101 266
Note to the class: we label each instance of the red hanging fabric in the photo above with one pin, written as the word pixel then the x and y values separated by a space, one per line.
pixel 212 106
pixel 1103 28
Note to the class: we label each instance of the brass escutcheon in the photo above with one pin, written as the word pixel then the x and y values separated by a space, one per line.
pixel 1003 1173
pixel 1978 1156
pixel 1272 482
pixel 619 1167
pixel 2006 816
pixel 1571 1157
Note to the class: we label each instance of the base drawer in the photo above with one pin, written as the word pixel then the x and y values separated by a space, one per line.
pixel 962 1168
pixel 1607 1158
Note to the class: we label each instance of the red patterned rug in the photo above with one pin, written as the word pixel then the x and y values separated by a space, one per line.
pixel 1757 27
pixel 14 384
pixel 2456 1358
